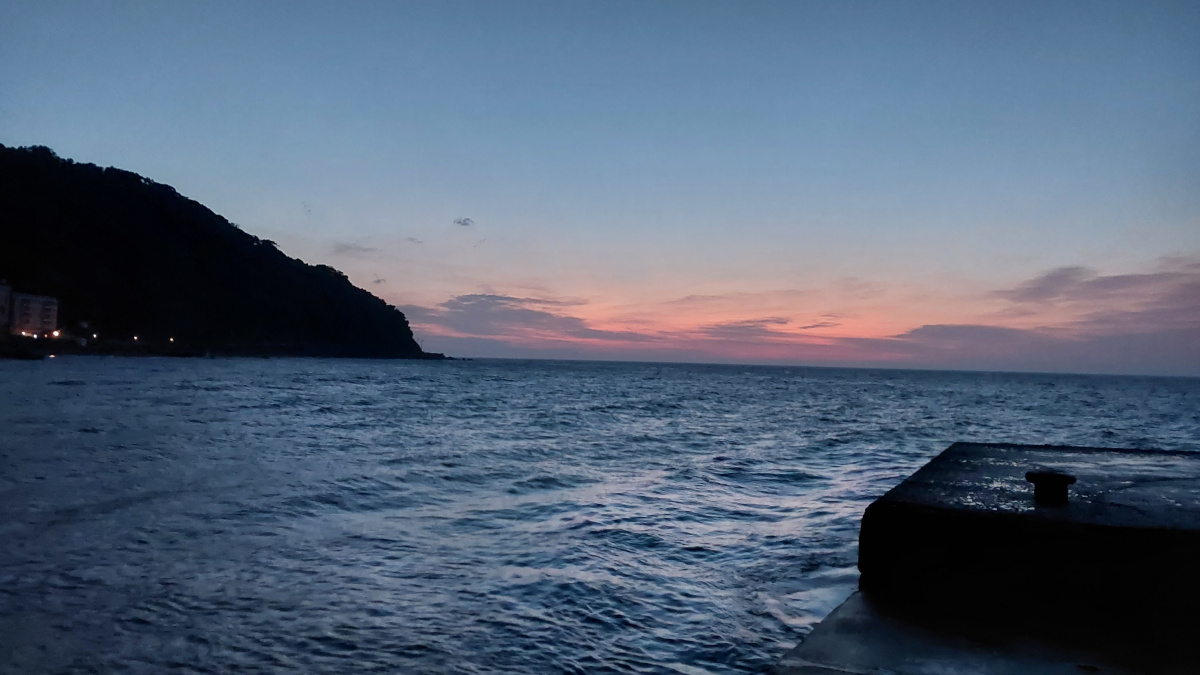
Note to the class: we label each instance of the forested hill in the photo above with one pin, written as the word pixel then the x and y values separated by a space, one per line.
pixel 128 256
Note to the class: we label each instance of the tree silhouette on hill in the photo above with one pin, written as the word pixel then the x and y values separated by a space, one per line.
pixel 128 256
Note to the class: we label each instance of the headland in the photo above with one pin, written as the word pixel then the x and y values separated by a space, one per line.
pixel 135 268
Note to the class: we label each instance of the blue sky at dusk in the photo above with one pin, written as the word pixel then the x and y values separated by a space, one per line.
pixel 914 184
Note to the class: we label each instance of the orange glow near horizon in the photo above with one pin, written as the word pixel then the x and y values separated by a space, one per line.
pixel 1037 317
pixel 720 333
pixel 843 324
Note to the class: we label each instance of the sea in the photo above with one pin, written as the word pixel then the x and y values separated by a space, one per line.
pixel 485 516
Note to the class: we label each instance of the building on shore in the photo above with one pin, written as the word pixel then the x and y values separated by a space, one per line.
pixel 33 314
pixel 5 307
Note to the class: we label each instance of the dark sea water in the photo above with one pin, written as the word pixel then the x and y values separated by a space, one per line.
pixel 332 516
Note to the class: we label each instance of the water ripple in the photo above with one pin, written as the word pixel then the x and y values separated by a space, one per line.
pixel 270 516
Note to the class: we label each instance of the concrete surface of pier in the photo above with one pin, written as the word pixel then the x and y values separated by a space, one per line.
pixel 964 572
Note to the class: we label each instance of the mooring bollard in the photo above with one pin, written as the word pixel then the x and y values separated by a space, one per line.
pixel 1049 486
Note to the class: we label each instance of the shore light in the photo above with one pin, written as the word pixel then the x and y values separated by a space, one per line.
pixel 55 333
pixel 135 338
pixel 172 339
pixel 94 336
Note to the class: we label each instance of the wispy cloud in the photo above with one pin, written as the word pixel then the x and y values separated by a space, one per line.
pixel 1047 286
pixel 982 347
pixel 1085 322
pixel 352 249
pixel 1080 284
pixel 502 316
pixel 753 329
pixel 1079 299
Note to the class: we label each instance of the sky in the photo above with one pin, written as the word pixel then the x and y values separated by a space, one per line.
pixel 965 185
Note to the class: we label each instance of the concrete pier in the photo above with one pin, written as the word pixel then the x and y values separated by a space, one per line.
pixel 964 571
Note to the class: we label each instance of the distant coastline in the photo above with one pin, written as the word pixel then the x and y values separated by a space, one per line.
pixel 28 348
pixel 134 268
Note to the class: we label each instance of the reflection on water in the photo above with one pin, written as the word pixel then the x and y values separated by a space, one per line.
pixel 486 516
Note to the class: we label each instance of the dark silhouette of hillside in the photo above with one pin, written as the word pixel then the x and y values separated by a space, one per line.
pixel 128 256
